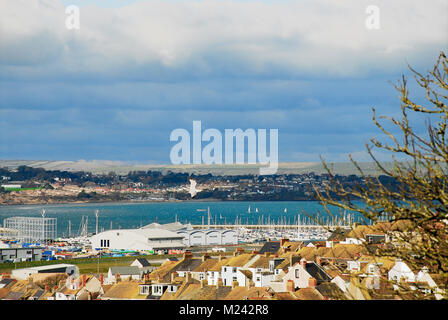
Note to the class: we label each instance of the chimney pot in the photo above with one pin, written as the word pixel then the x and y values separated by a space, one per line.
pixel 312 282
pixel 219 283
pixel 290 286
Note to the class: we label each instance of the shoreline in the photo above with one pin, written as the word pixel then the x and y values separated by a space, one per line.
pixel 144 201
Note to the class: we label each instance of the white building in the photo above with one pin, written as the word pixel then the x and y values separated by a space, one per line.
pixel 150 239
pixel 400 271
pixel 24 273
pixel 198 237
pixel 124 272
pixel 209 237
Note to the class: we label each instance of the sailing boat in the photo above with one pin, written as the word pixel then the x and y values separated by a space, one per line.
pixel 256 210
pixel 248 210
pixel 285 210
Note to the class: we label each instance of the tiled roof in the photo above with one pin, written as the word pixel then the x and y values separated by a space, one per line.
pixel 189 264
pixel 7 282
pixel 3 292
pixel 261 262
pixel 242 293
pixel 163 270
pixel 330 290
pixel 219 264
pixel 247 273
pixel 206 265
pixel 124 290
pixel 284 296
pixel 308 294
pixel 240 260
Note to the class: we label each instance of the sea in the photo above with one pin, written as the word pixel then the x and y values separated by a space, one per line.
pixel 120 215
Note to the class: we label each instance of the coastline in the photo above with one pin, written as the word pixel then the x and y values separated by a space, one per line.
pixel 145 201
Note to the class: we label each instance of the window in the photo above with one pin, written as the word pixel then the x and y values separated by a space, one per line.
pixel 201 276
pixel 144 289
pixel 297 273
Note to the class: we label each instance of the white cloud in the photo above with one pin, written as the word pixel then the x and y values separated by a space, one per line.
pixel 219 37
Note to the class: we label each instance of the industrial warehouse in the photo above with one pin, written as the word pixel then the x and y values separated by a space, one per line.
pixel 162 237
pixel 150 239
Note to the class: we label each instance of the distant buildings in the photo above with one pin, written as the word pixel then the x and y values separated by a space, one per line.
pixel 20 254
pixel 199 237
pixel 25 273
pixel 32 229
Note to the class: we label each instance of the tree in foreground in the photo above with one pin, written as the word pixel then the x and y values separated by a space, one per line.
pixel 416 210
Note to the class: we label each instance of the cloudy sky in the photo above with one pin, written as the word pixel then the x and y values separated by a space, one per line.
pixel 135 70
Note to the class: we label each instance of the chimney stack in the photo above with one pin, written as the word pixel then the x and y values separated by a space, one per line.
pixel 101 279
pixel 188 254
pixel 303 262
pixel 219 283
pixel 173 275
pixel 312 282
pixel 83 280
pixel 283 241
pixel 290 286
pixel 205 256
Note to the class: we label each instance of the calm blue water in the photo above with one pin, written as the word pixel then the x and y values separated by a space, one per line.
pixel 132 215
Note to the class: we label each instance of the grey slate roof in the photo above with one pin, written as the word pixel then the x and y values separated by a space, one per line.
pixel 270 246
pixel 317 272
pixel 5 282
pixel 131 270
pixel 143 262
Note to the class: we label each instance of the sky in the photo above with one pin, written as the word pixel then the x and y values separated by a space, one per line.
pixel 134 71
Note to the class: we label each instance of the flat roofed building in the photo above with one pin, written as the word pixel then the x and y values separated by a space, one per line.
pixel 25 273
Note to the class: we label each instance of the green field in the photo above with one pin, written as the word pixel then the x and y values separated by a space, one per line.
pixel 22 189
pixel 85 265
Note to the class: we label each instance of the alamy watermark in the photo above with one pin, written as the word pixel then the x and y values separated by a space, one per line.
pixel 72 21
pixel 373 19
pixel 234 147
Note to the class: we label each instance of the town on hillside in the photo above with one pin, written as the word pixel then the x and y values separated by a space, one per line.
pixel 28 185
pixel 344 266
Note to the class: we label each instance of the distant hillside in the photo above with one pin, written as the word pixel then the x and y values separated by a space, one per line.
pixel 105 166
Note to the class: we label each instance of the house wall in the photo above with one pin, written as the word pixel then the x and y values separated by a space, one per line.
pixel 121 239
pixel 401 271
pixel 229 274
pixel 298 275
